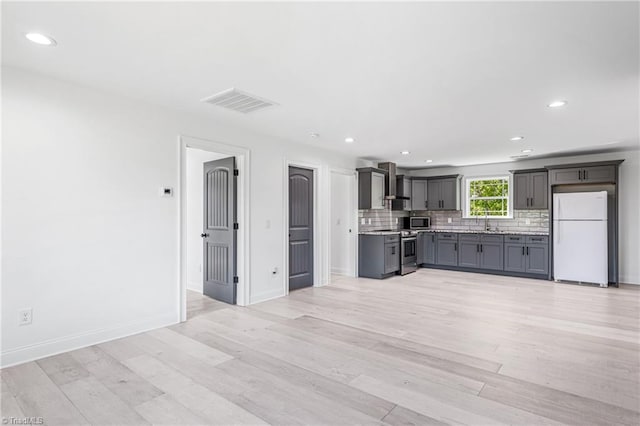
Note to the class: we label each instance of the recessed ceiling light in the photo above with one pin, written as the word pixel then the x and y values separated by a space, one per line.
pixel 40 39
pixel 349 140
pixel 429 161
pixel 405 153
pixel 516 138
pixel 557 104
pixel 526 151
pixel 314 135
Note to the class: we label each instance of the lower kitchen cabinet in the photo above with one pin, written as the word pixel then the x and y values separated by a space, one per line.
pixel 378 255
pixel 391 258
pixel 469 250
pixel 427 248
pixel 447 249
pixel 492 252
pixel 526 254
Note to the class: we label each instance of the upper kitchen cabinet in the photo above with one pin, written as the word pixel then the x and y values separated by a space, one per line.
pixel 403 188
pixel 418 194
pixel 443 193
pixel 530 189
pixel 371 188
pixel 601 172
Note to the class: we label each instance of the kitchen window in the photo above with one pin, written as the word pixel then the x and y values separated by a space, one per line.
pixel 488 196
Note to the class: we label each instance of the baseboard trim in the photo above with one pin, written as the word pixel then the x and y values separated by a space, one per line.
pixel 51 347
pixel 267 295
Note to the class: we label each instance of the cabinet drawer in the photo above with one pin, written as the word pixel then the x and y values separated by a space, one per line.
pixel 537 239
pixel 447 236
pixel 492 238
pixel 514 238
pixel 469 237
pixel 391 239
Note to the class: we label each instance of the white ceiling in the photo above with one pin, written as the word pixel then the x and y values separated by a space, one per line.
pixel 450 82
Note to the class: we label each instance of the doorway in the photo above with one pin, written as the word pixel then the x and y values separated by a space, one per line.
pixel 343 223
pixel 222 241
pixel 301 228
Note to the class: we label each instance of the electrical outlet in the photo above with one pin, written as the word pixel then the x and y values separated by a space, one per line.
pixel 362 221
pixel 527 221
pixel 274 271
pixel 396 220
pixel 25 316
pixel 369 221
pixel 448 220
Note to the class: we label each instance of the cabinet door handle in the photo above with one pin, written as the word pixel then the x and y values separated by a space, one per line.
pixel 393 250
pixel 480 248
pixel 527 251
pixel 523 250
pixel 426 204
pixel 433 238
pixel 455 246
pixel 580 174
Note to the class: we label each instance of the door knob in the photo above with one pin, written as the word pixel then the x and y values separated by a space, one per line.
pixel 204 235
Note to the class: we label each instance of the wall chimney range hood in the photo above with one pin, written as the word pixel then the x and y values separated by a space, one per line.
pixel 390 182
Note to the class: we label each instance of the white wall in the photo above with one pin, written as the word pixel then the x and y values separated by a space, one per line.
pixel 342 218
pixel 628 190
pixel 194 210
pixel 87 241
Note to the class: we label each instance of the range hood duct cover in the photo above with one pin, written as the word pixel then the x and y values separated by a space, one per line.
pixel 390 182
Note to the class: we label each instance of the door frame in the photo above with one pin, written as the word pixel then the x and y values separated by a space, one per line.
pixel 320 246
pixel 243 200
pixel 353 208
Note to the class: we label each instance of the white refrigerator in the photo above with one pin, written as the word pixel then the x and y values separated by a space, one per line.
pixel 580 237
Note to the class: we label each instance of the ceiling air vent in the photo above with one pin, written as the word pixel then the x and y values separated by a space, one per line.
pixel 239 101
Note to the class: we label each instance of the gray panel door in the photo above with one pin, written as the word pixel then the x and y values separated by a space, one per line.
pixel 418 195
pixel 219 235
pixel 448 194
pixel 491 256
pixel 391 257
pixel 537 259
pixel 514 257
pixel 433 194
pixel 300 228
pixel 469 254
pixel 521 191
pixel 447 252
pixel 538 190
pixel 429 248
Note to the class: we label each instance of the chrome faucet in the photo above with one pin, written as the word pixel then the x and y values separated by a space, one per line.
pixel 486 221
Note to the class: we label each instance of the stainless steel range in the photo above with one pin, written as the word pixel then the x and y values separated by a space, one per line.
pixel 408 251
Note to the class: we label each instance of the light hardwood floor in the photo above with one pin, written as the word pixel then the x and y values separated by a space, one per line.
pixel 433 347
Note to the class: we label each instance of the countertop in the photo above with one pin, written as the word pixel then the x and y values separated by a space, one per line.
pixel 458 231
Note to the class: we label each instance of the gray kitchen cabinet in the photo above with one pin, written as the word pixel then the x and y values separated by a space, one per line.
pixel 443 193
pixel 469 251
pixel 530 190
pixel 418 194
pixel 428 248
pixel 480 251
pixel 403 188
pixel 391 257
pixel 447 249
pixel 371 188
pixel 514 253
pixel 378 255
pixel 526 254
pixel 583 174
pixel 492 252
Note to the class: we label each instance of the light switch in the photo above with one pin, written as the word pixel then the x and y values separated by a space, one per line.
pixel 527 221
pixel 448 220
pixel 369 221
pixel 362 221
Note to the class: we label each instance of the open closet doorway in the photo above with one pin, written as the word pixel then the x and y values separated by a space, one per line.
pixel 213 225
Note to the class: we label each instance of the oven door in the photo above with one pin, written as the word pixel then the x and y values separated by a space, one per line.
pixel 409 249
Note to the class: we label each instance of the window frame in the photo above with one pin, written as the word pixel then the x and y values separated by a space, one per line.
pixel 467 202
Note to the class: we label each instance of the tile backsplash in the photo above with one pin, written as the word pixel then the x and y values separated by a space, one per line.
pixel 386 219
